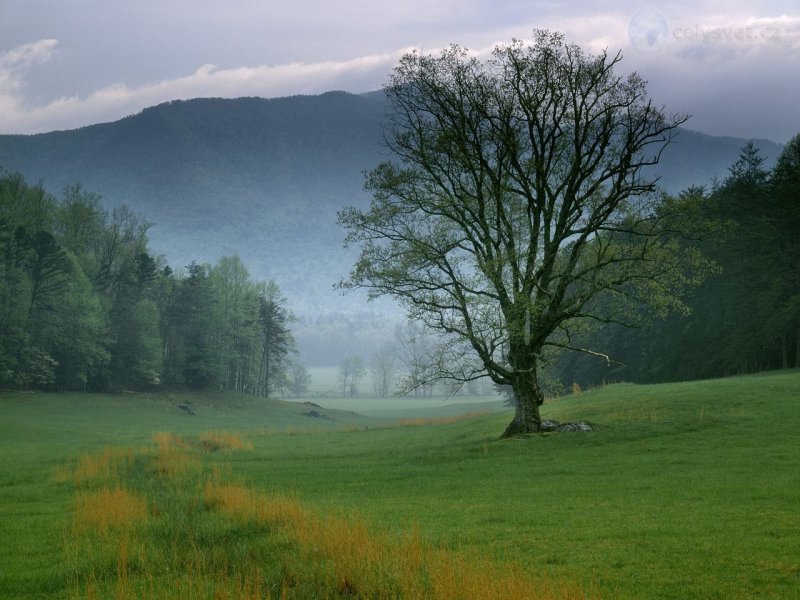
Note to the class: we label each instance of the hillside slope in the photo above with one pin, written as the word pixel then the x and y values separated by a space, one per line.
pixel 262 178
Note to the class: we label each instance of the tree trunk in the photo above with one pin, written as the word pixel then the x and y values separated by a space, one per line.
pixel 784 352
pixel 797 352
pixel 528 397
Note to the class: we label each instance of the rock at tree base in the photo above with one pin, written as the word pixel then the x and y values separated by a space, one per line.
pixel 549 425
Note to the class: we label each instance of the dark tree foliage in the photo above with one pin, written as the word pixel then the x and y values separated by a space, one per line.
pixel 745 317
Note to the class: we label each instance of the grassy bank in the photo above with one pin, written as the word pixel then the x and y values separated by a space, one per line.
pixel 684 490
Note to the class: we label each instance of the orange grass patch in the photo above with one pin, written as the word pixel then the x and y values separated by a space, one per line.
pixel 222 440
pixel 167 441
pixel 106 466
pixel 346 557
pixel 173 456
pixel 332 556
pixel 245 504
pixel 109 509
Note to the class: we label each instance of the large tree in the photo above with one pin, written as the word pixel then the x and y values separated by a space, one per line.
pixel 350 373
pixel 518 196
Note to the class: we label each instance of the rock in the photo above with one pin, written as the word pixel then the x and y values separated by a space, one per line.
pixel 316 414
pixel 576 426
pixel 550 425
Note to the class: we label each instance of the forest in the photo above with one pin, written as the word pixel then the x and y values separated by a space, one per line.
pixel 86 305
pixel 744 315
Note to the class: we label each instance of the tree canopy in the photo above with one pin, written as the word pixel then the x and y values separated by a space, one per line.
pixel 518 196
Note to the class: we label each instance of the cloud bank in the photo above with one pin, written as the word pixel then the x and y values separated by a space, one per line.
pixel 735 74
pixel 112 102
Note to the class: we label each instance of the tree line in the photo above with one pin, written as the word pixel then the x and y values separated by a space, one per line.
pixel 86 305
pixel 745 315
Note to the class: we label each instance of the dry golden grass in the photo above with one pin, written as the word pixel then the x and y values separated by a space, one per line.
pixel 334 555
pixel 350 560
pixel 441 420
pixel 352 428
pixel 108 509
pixel 222 440
pixel 245 504
pixel 166 441
pixel 106 466
pixel 173 457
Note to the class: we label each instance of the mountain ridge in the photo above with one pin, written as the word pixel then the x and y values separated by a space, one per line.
pixel 264 178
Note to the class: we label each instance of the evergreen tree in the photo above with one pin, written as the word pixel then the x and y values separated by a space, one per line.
pixel 275 339
pixel 194 310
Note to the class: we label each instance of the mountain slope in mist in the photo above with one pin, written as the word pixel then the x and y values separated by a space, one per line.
pixel 264 179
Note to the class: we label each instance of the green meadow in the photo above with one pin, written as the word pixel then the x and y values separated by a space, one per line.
pixel 688 490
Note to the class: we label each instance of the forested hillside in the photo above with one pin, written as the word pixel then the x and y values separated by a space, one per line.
pixel 259 178
pixel 85 305
pixel 263 179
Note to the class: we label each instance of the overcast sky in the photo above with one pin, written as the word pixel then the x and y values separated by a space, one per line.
pixel 734 65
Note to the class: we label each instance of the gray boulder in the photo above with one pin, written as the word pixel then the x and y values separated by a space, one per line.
pixel 550 425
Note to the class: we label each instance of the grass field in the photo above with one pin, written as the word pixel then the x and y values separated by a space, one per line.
pixel 684 491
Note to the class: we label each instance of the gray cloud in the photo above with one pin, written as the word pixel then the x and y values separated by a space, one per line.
pixel 113 58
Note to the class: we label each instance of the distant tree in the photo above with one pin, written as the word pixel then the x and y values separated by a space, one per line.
pixel 299 379
pixel 79 226
pixel 745 316
pixel 236 323
pixel 416 354
pixel 122 238
pixel 275 339
pixel 145 354
pixel 36 272
pixel 520 196
pixel 382 369
pixel 350 373
pixel 48 269
pixel 166 295
pixel 222 329
pixel 81 344
pixel 37 369
pixel 193 313
pixel 145 270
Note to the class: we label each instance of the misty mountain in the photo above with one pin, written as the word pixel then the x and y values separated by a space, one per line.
pixel 264 179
